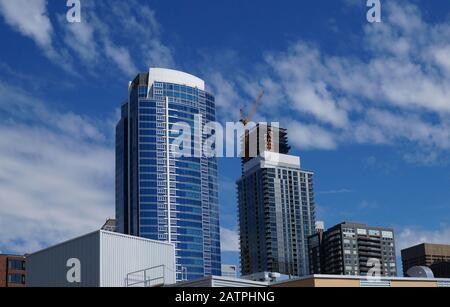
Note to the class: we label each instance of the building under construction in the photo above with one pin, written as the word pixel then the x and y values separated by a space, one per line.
pixel 261 138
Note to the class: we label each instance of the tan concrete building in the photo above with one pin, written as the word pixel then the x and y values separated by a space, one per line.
pixel 335 281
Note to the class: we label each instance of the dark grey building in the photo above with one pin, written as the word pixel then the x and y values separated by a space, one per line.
pixel 352 249
pixel 276 214
pixel 160 194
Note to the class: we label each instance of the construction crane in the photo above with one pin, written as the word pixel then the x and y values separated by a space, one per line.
pixel 245 119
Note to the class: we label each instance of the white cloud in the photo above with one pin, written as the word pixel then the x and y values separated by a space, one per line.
pixel 300 73
pixel 29 18
pixel 393 91
pixel 80 38
pixel 229 240
pixel 128 35
pixel 123 35
pixel 396 94
pixel 411 236
pixel 56 179
pixel 338 191
pixel 228 99
pixel 122 58
pixel 32 20
pixel 310 136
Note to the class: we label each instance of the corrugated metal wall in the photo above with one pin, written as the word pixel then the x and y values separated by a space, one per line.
pixel 48 268
pixel 122 254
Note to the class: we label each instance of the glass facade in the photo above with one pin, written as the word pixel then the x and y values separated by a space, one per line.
pixel 162 196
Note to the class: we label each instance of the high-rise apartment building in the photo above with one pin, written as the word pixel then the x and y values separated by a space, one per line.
pixel 353 249
pixel 435 256
pixel 160 194
pixel 276 210
pixel 12 271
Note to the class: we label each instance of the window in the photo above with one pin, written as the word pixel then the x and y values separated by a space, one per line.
pixel 16 265
pixel 387 234
pixel 374 233
pixel 362 232
pixel 16 279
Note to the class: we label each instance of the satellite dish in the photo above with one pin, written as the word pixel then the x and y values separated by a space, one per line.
pixel 420 272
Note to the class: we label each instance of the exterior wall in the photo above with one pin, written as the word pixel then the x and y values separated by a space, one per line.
pixel 122 254
pixel 336 283
pixel 441 269
pixel 316 260
pixel 122 172
pixel 414 284
pixel 302 283
pixel 169 198
pixel 9 276
pixel 3 271
pixel 359 281
pixel 48 268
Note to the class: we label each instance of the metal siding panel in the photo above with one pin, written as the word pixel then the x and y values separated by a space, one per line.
pixel 233 284
pixel 220 282
pixel 375 284
pixel 121 254
pixel 48 268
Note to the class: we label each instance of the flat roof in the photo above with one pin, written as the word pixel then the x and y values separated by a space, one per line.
pixel 445 247
pixel 99 232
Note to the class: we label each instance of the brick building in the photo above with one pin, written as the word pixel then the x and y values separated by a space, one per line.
pixel 12 271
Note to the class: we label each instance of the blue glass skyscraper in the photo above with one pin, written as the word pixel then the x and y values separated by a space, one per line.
pixel 160 195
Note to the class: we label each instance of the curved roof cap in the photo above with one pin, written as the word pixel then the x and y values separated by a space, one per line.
pixel 174 76
pixel 420 272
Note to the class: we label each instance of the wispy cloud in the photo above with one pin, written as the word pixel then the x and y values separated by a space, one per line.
pixel 338 191
pixel 411 236
pixel 126 38
pixel 30 18
pixel 395 93
pixel 310 136
pixel 56 179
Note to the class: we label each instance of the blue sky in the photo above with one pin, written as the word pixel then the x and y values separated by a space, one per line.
pixel 367 105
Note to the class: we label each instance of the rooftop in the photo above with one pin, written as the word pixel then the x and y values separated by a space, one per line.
pixel 174 76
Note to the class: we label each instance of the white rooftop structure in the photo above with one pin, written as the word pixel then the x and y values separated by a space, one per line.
pixel 103 259
pixel 272 159
pixel 174 76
